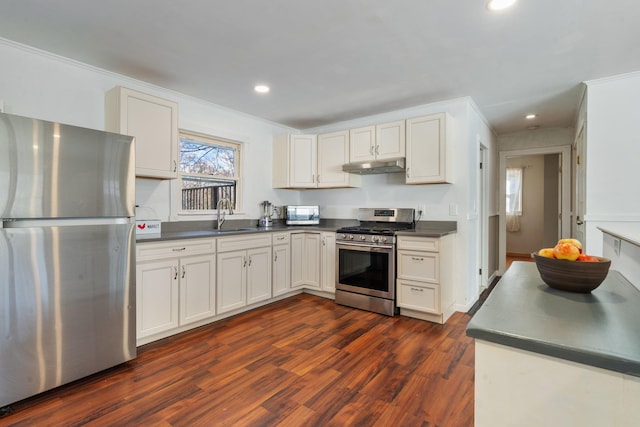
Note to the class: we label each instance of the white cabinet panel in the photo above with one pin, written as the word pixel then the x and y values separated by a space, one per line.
pixel 258 275
pixel 197 288
pixel 153 122
pixel 390 140
pixel 429 157
pixel 157 297
pixel 362 143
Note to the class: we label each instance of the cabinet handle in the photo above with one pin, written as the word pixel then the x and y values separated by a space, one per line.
pixel 249 261
pixel 280 238
pixel 417 259
pixel 175 166
pixel 178 249
pixel 371 150
pixel 408 173
pixel 183 272
pixel 175 273
pixel 417 289
pixel 275 257
pixel 245 262
pixel 318 178
pixel 377 149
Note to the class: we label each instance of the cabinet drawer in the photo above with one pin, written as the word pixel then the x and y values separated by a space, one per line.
pixel 280 238
pixel 419 296
pixel 174 248
pixel 421 266
pixel 431 244
pixel 238 243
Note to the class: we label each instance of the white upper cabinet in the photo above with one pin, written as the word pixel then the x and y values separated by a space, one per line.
pixel 310 161
pixel 380 142
pixel 362 144
pixel 390 140
pixel 333 152
pixel 294 161
pixel 153 122
pixel 429 157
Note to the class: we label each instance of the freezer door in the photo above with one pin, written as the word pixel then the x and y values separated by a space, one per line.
pixel 50 170
pixel 67 305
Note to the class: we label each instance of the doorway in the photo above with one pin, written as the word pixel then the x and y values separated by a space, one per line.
pixel 557 227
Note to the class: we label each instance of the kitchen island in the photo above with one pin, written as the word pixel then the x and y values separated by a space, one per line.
pixel 549 357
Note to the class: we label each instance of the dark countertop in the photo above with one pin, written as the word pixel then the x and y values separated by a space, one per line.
pixel 598 329
pixel 201 229
pixel 431 229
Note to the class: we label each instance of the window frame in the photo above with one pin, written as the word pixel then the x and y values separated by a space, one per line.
pixel 213 140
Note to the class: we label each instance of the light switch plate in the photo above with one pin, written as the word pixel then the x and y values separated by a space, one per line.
pixel 453 209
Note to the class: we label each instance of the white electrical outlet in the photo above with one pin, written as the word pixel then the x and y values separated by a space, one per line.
pixel 422 209
pixel 453 209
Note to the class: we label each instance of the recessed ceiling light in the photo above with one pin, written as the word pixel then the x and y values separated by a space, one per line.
pixel 261 88
pixel 500 4
pixel 530 116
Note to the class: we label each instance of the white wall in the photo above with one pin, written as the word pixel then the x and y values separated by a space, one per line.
pixel 38 84
pixel 612 156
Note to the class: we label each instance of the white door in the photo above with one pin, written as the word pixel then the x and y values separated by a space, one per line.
pixel 231 280
pixel 157 297
pixel 197 288
pixel 258 274
pixel 578 224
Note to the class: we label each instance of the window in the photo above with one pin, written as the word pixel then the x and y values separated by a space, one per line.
pixel 209 172
pixel 514 199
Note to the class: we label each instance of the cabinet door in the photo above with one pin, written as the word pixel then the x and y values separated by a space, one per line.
pixel 153 122
pixel 390 140
pixel 422 266
pixel 297 257
pixel 258 274
pixel 312 260
pixel 328 262
pixel 426 154
pixel 156 297
pixel 333 152
pixel 362 144
pixel 303 151
pixel 281 270
pixel 231 280
pixel 197 288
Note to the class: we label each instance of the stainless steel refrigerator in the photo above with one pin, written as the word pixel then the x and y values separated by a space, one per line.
pixel 67 254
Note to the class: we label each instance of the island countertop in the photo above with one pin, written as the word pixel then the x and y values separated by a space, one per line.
pixel 598 329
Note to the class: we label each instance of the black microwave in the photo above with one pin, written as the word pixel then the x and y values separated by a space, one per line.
pixel 302 215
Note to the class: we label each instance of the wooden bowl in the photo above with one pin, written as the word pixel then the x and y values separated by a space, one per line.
pixel 572 276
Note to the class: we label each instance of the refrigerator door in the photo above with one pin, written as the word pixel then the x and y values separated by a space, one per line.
pixel 67 304
pixel 51 170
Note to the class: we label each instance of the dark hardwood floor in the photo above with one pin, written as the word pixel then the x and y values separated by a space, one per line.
pixel 303 361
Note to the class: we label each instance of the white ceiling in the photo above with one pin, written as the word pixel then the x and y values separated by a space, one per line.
pixel 333 60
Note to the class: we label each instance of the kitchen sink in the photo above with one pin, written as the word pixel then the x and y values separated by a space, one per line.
pixel 229 230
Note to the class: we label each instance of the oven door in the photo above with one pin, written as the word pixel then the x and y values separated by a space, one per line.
pixel 366 269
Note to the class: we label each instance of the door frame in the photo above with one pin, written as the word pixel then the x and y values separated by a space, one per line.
pixel 565 206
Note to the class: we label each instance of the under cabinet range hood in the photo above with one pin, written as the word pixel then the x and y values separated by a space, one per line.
pixel 375 166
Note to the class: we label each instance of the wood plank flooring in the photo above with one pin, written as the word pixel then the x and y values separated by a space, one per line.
pixel 303 361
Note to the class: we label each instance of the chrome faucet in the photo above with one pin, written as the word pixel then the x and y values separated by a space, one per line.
pixel 220 204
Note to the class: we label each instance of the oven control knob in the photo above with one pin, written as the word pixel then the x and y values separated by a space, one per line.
pixel 363 237
pixel 344 236
pixel 383 239
pixel 350 236
pixel 375 239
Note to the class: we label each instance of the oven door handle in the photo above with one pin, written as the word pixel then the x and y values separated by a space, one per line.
pixel 357 246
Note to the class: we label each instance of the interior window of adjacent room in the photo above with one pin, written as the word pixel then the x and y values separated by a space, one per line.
pixel 209 171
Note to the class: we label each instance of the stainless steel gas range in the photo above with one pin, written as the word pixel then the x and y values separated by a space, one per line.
pixel 366 259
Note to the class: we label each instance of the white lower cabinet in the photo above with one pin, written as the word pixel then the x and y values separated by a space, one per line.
pixel 305 260
pixel 424 285
pixel 243 271
pixel 281 281
pixel 328 262
pixel 175 285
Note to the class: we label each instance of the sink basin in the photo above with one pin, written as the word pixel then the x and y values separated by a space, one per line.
pixel 229 230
